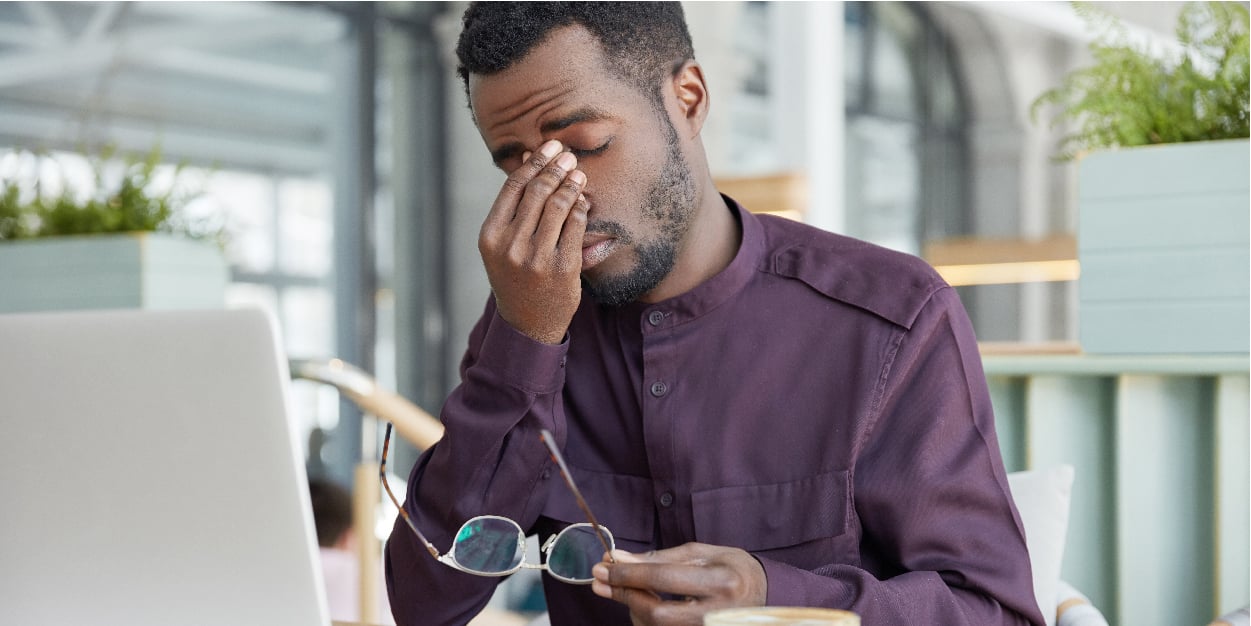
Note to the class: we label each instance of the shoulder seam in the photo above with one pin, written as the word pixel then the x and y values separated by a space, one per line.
pixel 855 287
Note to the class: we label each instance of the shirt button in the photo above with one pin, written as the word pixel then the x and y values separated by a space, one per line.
pixel 562 361
pixel 659 389
pixel 666 499
pixel 655 318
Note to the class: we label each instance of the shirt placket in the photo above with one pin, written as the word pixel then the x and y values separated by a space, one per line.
pixel 660 393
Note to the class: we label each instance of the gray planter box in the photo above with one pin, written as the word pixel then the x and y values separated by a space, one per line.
pixel 1164 249
pixel 130 270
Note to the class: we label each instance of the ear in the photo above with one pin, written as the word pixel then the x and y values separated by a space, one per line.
pixel 691 94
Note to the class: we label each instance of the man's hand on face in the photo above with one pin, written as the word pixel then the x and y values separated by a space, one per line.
pixel 531 243
pixel 678 585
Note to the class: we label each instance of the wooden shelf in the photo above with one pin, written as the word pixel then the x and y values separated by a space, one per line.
pixel 784 194
pixel 982 250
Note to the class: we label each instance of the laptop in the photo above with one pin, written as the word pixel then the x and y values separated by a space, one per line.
pixel 150 475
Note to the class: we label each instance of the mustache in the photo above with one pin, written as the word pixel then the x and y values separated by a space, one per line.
pixel 609 227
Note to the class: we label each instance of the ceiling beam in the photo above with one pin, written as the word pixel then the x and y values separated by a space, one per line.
pixel 104 17
pixel 36 131
pixel 294 119
pixel 268 75
pixel 218 11
pixel 149 44
pixel 43 18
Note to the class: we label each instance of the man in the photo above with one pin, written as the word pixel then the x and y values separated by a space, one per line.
pixel 760 412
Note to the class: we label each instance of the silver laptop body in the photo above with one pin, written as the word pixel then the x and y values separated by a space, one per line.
pixel 149 474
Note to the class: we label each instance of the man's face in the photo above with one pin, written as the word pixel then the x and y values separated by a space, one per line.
pixel 639 187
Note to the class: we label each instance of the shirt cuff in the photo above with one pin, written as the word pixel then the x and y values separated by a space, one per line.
pixel 789 586
pixel 520 361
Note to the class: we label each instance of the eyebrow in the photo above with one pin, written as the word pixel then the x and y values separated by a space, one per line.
pixel 586 114
pixel 581 116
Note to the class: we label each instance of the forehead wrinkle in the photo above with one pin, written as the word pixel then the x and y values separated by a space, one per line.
pixel 531 102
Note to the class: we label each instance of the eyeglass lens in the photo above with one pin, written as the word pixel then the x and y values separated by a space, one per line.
pixel 489 545
pixel 574 554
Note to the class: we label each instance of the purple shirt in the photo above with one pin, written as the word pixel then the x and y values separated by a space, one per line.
pixel 819 403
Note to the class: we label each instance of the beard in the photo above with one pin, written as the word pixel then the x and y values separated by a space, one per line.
pixel 670 202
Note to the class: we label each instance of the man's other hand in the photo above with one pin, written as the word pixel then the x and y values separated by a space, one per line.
pixel 679 585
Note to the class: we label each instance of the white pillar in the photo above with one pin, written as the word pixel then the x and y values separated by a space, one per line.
pixel 808 103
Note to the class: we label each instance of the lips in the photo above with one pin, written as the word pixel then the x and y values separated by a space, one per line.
pixel 596 248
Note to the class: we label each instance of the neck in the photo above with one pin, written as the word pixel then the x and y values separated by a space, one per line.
pixel 709 246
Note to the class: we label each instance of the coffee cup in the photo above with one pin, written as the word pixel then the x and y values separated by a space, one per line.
pixel 781 616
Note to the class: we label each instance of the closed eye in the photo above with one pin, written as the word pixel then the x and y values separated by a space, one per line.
pixel 592 152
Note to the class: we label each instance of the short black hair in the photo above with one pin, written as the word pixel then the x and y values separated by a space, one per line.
pixel 332 511
pixel 643 42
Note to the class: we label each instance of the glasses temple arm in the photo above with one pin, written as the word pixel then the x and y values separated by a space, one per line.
pixel 382 474
pixel 550 440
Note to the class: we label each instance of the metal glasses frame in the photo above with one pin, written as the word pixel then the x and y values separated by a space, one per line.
pixel 603 534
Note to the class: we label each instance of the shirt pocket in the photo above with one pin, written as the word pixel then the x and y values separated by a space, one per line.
pixel 622 503
pixel 804 522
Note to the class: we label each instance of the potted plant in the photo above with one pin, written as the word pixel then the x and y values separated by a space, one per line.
pixel 1163 160
pixel 125 242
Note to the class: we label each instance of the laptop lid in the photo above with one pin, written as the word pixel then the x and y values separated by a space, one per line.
pixel 149 474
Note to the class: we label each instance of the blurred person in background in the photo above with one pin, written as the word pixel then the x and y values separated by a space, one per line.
pixel 340 562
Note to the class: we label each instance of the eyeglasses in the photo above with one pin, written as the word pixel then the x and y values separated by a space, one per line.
pixel 489 545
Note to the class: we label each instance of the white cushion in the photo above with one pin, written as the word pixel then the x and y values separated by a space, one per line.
pixel 1042 498
pixel 1074 609
pixel 1241 617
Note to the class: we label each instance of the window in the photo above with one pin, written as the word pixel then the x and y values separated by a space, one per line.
pixel 906 161
pixel 244 93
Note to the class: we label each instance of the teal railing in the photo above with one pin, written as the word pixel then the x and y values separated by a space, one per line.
pixel 1159 522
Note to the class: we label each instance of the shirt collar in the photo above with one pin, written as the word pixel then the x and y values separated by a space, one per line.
pixel 722 286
